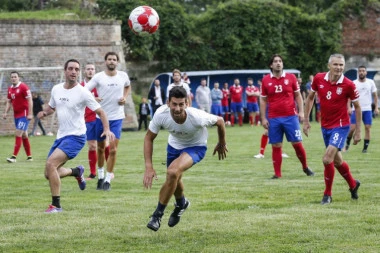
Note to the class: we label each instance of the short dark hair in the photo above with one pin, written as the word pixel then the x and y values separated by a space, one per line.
pixel 177 92
pixel 15 72
pixel 71 60
pixel 362 67
pixel 249 79
pixel 111 53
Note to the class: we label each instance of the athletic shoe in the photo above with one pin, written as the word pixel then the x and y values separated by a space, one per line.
pixel 177 213
pixel 80 178
pixel 364 151
pixel 91 176
pixel 100 184
pixel 326 200
pixel 354 192
pixel 275 177
pixel 308 172
pixel 106 186
pixel 11 159
pixel 53 209
pixel 155 220
pixel 285 155
pixel 29 159
pixel 259 156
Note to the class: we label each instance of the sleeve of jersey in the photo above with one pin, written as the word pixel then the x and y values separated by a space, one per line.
pixel 205 119
pixel 52 101
pixel 92 83
pixel 314 84
pixel 354 96
pixel 127 80
pixel 154 127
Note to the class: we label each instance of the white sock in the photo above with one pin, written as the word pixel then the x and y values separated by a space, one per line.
pixel 108 177
pixel 100 173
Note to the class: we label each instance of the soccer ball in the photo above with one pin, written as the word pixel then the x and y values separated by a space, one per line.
pixel 228 123
pixel 143 20
pixel 38 133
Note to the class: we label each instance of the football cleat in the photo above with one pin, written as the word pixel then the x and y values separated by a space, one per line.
pixel 177 213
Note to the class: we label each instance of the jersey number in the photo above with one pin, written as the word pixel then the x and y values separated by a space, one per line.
pixel 278 88
pixel 328 95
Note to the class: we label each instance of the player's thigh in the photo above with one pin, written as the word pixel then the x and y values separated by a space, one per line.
pixel 292 129
pixel 367 117
pixel 275 131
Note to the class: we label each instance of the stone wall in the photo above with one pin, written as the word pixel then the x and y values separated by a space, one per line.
pixel 40 43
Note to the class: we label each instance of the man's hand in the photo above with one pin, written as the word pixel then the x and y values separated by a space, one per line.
pixel 306 127
pixel 357 137
pixel 222 151
pixel 148 177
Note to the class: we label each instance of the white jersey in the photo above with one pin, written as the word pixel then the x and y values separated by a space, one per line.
pixel 365 89
pixel 192 132
pixel 110 89
pixel 184 85
pixel 70 105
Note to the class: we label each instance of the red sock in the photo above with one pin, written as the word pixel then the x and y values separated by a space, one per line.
pixel 25 142
pixel 263 144
pixel 251 120
pixel 329 178
pixel 226 117
pixel 232 119
pixel 257 119
pixel 107 152
pixel 92 160
pixel 277 160
pixel 344 170
pixel 18 142
pixel 240 120
pixel 301 154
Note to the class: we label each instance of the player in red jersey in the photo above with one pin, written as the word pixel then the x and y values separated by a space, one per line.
pixel 252 93
pixel 236 92
pixel 20 97
pixel 226 101
pixel 334 90
pixel 90 119
pixel 280 93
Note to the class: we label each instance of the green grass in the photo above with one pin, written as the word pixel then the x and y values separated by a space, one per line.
pixel 235 207
pixel 51 14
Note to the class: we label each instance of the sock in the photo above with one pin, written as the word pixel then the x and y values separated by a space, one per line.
pixel 100 173
pixel 301 154
pixel 92 159
pixel 240 117
pixel 226 117
pixel 56 201
pixel 107 152
pixel 232 119
pixel 160 207
pixel 108 177
pixel 257 119
pixel 75 172
pixel 251 120
pixel 329 177
pixel 263 144
pixel 25 142
pixel 181 201
pixel 18 141
pixel 277 160
pixel 348 141
pixel 344 170
pixel 366 143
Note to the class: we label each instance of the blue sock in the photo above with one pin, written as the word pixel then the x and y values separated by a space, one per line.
pixel 160 207
pixel 181 202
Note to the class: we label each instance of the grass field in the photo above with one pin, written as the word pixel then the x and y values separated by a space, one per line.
pixel 235 207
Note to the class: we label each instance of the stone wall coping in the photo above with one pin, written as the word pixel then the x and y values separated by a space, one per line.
pixel 50 22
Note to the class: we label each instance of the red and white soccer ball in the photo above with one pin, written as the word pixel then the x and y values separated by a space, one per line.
pixel 144 20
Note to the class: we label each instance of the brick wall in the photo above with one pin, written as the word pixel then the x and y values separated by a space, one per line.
pixel 40 43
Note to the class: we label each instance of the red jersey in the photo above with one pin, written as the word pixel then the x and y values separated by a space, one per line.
pixel 18 95
pixel 236 94
pixel 280 94
pixel 226 96
pixel 90 115
pixel 333 99
pixel 251 88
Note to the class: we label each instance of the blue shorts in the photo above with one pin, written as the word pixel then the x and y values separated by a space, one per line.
pixel 225 109
pixel 22 123
pixel 366 117
pixel 236 107
pixel 284 125
pixel 197 153
pixel 318 106
pixel 216 109
pixel 115 127
pixel 253 107
pixel 91 130
pixel 71 145
pixel 336 136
